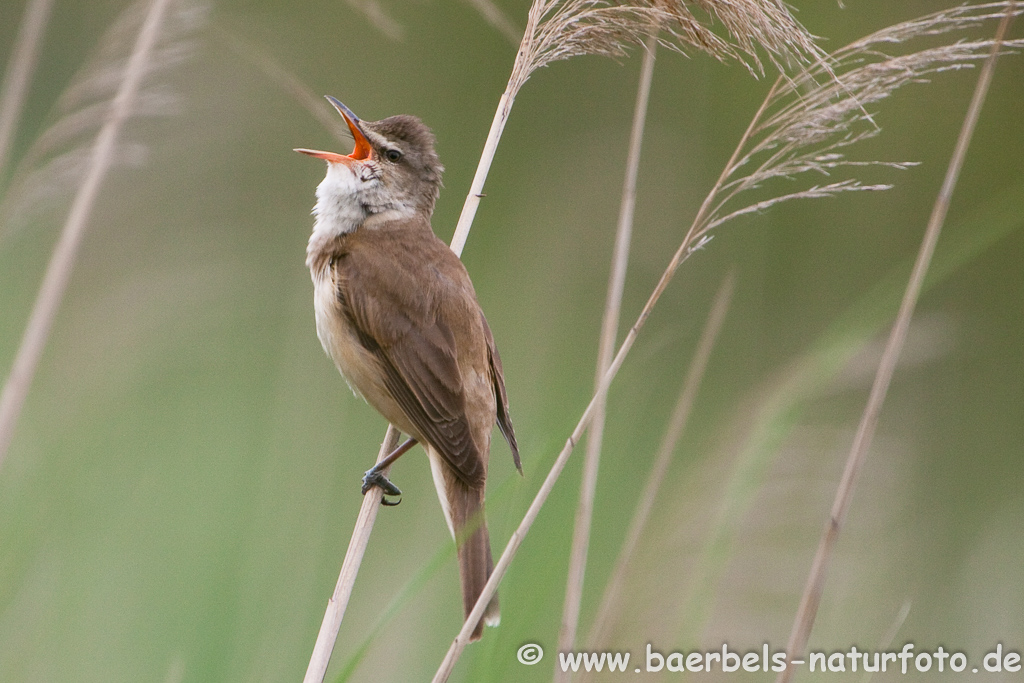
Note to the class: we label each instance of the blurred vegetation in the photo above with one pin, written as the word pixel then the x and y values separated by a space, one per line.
pixel 184 477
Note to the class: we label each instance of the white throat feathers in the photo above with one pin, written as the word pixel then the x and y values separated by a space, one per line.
pixel 348 195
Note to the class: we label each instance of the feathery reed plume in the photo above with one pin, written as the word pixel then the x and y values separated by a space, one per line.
pixel 128 78
pixel 606 346
pixel 19 72
pixel 561 29
pixel 676 424
pixel 813 589
pixel 807 121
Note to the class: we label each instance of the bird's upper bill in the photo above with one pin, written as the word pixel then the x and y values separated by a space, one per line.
pixel 362 150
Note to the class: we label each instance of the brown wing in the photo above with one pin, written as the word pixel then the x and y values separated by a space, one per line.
pixel 384 301
pixel 498 379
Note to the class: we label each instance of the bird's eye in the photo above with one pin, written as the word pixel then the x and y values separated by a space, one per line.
pixel 392 155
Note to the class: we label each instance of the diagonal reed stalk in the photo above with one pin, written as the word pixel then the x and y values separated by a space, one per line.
pixel 557 30
pixel 58 272
pixel 19 72
pixel 599 630
pixel 328 634
pixel 688 247
pixel 811 598
pixel 606 346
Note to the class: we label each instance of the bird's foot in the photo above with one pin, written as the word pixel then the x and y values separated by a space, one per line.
pixel 372 478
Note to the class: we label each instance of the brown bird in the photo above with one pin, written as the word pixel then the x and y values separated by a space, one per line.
pixel 397 313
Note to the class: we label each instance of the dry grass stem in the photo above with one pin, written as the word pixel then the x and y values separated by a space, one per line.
pixel 599 630
pixel 814 587
pixel 19 72
pixel 606 347
pixel 58 272
pixel 328 634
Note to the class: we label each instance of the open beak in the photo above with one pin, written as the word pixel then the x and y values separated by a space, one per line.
pixel 362 149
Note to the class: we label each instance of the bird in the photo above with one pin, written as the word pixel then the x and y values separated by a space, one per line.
pixel 397 313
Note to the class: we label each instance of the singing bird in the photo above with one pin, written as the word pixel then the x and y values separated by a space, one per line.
pixel 396 311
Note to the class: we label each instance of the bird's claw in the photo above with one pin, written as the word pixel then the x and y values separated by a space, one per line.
pixel 374 478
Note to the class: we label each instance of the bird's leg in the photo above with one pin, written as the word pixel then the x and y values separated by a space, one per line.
pixel 375 477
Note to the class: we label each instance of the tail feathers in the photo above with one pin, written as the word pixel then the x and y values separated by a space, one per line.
pixel 475 567
pixel 464 511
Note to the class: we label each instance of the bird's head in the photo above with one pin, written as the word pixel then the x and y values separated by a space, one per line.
pixel 393 166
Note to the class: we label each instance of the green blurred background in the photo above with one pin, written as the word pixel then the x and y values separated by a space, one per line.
pixel 185 475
